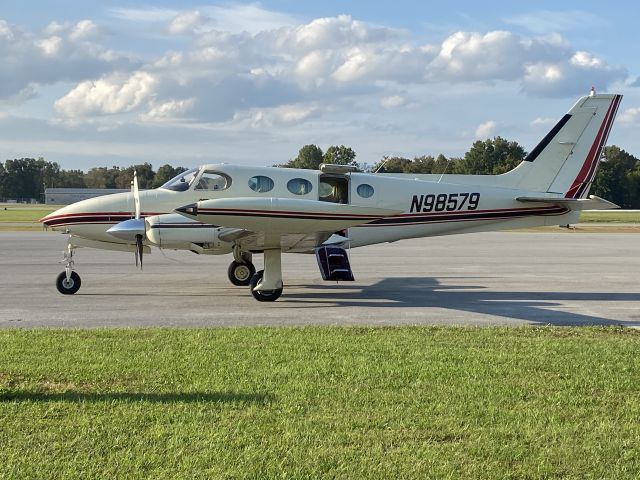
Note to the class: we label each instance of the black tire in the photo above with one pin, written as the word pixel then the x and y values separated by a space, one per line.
pixel 265 295
pixel 68 287
pixel 240 273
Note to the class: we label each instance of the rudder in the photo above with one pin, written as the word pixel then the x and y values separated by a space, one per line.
pixel 565 162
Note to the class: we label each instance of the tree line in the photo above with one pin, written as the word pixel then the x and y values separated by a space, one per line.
pixel 26 178
pixel 618 178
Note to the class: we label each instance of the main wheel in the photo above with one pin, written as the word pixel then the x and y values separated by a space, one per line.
pixel 68 287
pixel 264 295
pixel 240 273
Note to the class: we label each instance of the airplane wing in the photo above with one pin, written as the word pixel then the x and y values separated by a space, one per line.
pixel 292 242
pixel 591 203
pixel 281 216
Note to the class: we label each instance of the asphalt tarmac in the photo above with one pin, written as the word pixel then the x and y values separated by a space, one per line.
pixel 507 278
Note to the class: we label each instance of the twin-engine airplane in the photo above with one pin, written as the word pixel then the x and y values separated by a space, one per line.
pixel 220 209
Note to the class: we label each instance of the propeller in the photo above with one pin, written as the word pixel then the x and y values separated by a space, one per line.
pixel 134 229
pixel 136 205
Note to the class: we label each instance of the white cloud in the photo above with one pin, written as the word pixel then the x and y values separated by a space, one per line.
pixel 235 18
pixel 631 116
pixel 251 18
pixel 169 110
pixel 84 30
pixel 581 71
pixel 393 101
pixel 542 122
pixel 187 22
pixel 325 60
pixel 486 129
pixel 62 52
pixel 50 46
pixel 284 115
pixel 108 95
pixel 546 21
pixel 144 15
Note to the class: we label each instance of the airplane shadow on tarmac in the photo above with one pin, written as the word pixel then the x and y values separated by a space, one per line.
pixel 534 306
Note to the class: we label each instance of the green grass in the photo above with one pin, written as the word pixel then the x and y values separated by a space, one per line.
pixel 610 217
pixel 24 213
pixel 320 403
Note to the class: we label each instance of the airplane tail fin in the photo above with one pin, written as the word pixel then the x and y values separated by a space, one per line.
pixel 565 162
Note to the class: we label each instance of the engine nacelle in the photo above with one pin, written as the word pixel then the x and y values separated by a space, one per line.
pixel 174 231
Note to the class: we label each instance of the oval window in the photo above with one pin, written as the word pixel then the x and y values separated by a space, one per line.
pixel 299 186
pixel 365 190
pixel 260 184
pixel 213 181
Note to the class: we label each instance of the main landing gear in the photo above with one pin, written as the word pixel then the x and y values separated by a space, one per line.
pixel 68 282
pixel 240 273
pixel 266 285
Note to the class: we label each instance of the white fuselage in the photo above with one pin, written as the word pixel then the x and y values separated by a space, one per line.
pixel 425 205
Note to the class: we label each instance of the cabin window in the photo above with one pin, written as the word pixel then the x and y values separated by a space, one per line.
pixel 365 190
pixel 260 184
pixel 333 189
pixel 213 181
pixel 299 186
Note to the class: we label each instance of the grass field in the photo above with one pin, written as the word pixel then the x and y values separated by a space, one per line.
pixel 19 217
pixel 320 403
pixel 24 213
pixel 621 216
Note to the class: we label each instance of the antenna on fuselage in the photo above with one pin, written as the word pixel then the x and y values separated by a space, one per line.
pixel 381 167
pixel 444 171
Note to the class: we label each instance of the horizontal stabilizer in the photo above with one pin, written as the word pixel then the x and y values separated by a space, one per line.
pixel 591 203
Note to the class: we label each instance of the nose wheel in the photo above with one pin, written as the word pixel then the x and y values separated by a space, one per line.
pixel 68 286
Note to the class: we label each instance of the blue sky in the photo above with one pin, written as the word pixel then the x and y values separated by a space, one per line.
pixel 90 83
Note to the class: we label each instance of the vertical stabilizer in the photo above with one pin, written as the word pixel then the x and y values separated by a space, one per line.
pixel 566 160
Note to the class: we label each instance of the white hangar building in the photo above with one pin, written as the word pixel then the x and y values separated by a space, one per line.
pixel 65 196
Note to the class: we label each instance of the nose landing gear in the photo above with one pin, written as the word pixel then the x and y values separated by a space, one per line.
pixel 68 282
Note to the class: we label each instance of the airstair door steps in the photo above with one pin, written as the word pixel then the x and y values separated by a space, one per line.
pixel 334 264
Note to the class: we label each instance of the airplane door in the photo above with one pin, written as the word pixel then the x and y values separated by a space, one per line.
pixel 333 188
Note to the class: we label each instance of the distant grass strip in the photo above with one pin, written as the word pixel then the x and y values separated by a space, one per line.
pixel 22 214
pixel 320 403
pixel 621 216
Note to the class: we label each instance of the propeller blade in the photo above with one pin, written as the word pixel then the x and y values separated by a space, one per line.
pixel 136 195
pixel 139 250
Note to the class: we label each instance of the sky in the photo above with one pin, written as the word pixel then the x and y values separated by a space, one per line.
pixel 100 83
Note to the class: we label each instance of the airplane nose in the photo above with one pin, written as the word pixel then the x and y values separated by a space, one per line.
pixel 46 220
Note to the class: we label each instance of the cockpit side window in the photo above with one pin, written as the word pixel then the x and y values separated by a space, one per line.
pixel 213 181
pixel 181 182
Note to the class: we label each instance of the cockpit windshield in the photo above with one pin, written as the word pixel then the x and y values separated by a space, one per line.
pixel 181 182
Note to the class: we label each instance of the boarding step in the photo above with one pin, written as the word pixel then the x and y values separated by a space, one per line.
pixel 334 264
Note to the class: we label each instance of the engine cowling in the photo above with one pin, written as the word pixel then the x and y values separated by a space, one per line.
pixel 174 231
